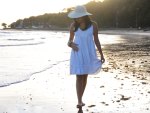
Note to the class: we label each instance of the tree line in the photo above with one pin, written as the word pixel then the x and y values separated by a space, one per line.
pixel 108 14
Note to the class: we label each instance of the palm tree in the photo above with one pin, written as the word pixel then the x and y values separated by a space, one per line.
pixel 4 25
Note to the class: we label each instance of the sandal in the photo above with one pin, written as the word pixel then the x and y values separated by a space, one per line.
pixel 80 106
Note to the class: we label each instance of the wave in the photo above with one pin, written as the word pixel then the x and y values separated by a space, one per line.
pixel 20 39
pixel 27 77
pixel 7 45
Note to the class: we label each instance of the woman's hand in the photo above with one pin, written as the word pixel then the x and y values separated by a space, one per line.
pixel 102 59
pixel 74 46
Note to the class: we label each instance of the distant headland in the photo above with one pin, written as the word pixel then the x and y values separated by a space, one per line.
pixel 107 14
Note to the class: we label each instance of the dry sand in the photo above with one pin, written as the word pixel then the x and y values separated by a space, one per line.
pixel 123 85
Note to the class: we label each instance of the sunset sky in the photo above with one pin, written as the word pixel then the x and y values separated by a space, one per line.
pixel 12 10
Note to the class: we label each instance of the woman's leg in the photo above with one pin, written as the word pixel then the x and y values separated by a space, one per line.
pixel 84 80
pixel 80 87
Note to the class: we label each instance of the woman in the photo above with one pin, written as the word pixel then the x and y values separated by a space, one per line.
pixel 82 40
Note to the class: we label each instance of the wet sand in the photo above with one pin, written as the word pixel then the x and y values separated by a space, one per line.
pixel 122 86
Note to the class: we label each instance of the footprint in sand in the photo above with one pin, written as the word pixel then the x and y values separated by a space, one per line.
pixel 105 103
pixel 124 98
pixel 91 106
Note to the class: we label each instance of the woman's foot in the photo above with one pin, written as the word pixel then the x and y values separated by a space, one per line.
pixel 83 104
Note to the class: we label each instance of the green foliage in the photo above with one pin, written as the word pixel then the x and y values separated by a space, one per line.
pixel 110 13
pixel 4 25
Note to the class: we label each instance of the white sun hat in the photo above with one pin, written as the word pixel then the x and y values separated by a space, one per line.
pixel 79 11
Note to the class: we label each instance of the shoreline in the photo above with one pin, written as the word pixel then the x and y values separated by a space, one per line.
pixel 125 32
pixel 108 28
pixel 115 31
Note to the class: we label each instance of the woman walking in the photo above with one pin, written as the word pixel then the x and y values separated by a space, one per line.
pixel 82 40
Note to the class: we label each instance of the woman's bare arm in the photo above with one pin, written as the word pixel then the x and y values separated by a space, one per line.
pixel 71 37
pixel 97 42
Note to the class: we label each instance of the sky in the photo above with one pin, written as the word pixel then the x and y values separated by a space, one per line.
pixel 12 10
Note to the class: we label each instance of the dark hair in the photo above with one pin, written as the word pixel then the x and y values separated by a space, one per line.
pixel 88 23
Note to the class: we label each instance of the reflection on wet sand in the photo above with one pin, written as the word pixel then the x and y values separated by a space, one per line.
pixel 80 110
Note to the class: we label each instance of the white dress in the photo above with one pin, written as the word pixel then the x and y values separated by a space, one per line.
pixel 84 61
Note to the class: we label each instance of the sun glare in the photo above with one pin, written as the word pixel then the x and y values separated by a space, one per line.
pixel 12 10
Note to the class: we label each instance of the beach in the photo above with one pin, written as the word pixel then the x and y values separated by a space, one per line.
pixel 122 86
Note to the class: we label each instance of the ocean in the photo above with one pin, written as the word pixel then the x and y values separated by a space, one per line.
pixel 24 53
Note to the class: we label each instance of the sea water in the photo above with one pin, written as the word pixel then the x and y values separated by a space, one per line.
pixel 24 53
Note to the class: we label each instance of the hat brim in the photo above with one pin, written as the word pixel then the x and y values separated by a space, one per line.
pixel 74 14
